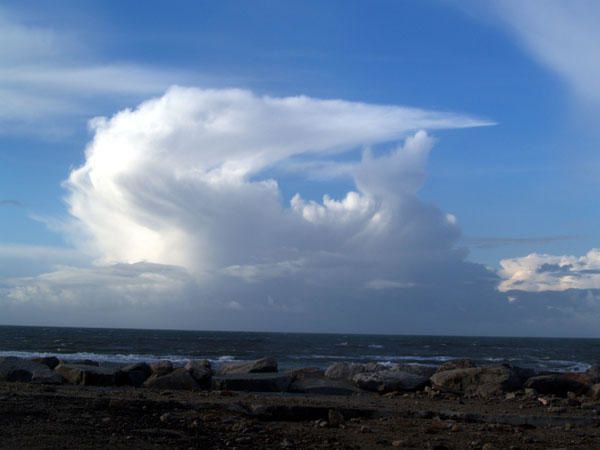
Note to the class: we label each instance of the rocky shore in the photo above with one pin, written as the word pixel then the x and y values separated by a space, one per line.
pixel 48 403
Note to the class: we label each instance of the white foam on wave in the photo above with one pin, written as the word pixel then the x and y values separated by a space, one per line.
pixel 115 358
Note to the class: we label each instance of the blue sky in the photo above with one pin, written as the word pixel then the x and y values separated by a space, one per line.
pixel 523 181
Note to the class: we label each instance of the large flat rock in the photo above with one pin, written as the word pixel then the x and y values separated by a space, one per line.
pixel 87 375
pixel 178 379
pixel 253 382
pixel 17 369
pixel 263 365
pixel 322 386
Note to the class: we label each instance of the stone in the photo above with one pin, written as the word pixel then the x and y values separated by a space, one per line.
pixel 178 379
pixel 390 380
pixel 593 374
pixel 23 370
pixel 263 365
pixel 49 361
pixel 133 374
pixel 87 375
pixel 477 381
pixel 594 391
pixel 415 369
pixel 306 372
pixel 335 418
pixel 322 386
pixel 252 382
pixel 162 367
pixel 453 364
pixel 557 384
pixel 347 371
pixel 200 370
pixel 85 362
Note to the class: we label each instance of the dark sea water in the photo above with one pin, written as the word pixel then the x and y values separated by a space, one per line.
pixel 293 349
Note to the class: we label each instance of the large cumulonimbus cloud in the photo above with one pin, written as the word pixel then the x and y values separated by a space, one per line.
pixel 173 202
pixel 178 181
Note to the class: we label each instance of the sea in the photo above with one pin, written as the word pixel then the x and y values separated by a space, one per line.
pixel 293 350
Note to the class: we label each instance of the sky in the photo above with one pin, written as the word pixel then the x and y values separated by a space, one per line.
pixel 405 167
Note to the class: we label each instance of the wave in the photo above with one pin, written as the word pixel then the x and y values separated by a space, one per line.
pixel 117 358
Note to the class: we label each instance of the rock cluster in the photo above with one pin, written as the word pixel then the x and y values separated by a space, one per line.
pixel 458 377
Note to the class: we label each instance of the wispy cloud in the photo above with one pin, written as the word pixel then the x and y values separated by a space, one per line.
pixel 561 34
pixel 493 242
pixel 10 202
pixel 49 75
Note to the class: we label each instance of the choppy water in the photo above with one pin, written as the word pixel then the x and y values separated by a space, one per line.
pixel 293 349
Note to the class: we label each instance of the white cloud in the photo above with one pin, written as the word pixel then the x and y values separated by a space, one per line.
pixel 562 34
pixel 540 273
pixel 177 180
pixel 102 288
pixel 49 75
pixel 173 194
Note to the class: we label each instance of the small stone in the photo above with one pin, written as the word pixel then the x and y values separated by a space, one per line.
pixel 365 429
pixel 456 428
pixel 335 418
pixel 166 417
pixel 398 443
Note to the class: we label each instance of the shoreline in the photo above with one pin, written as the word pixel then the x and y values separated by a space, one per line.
pixel 49 403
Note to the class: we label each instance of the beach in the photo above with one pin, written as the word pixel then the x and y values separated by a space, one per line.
pixel 254 405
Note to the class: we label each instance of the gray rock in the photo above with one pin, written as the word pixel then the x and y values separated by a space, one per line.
pixel 347 371
pixel 49 361
pixel 200 370
pixel 264 365
pixel 252 382
pixel 133 374
pixel 594 391
pixel 17 369
pixel 87 375
pixel 463 363
pixel 478 381
pixel 322 386
pixel 85 362
pixel 415 369
pixel 390 380
pixel 177 379
pixel 306 372
pixel 594 374
pixel 162 367
pixel 558 384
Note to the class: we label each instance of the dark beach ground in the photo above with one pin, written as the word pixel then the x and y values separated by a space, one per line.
pixel 69 417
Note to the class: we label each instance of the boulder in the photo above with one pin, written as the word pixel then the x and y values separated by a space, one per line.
pixel 390 380
pixel 558 384
pixel 415 369
pixel 162 367
pixel 49 361
pixel 252 382
pixel 177 379
pixel 264 365
pixel 200 370
pixel 17 369
pixel 133 374
pixel 320 385
pixel 85 362
pixel 87 375
pixel 347 371
pixel 463 363
pixel 306 372
pixel 594 391
pixel 594 374
pixel 478 381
